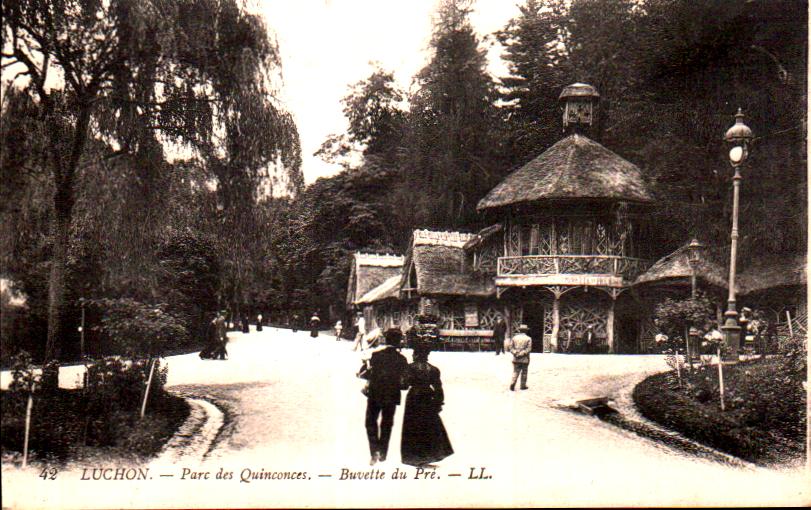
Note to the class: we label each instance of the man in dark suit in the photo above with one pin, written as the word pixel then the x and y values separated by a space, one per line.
pixel 499 331
pixel 386 375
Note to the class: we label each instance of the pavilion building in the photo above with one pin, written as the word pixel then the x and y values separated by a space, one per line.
pixel 566 253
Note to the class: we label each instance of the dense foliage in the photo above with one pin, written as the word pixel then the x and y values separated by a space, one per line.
pixel 671 73
pixel 161 122
pixel 137 329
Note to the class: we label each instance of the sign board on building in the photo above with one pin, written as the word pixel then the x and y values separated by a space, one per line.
pixel 471 315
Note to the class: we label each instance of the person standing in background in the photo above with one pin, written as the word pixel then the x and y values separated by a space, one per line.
pixel 360 324
pixel 499 330
pixel 315 322
pixel 338 329
pixel 259 322
pixel 520 347
pixel 589 340
pixel 220 331
pixel 567 334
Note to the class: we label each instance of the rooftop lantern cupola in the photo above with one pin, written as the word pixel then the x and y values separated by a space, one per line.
pixel 579 108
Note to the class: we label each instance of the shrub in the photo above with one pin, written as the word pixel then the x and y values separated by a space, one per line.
pixel 188 277
pixel 764 421
pixel 675 317
pixel 23 378
pixel 139 329
pixel 794 352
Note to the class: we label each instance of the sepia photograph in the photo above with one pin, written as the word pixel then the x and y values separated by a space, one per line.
pixel 404 254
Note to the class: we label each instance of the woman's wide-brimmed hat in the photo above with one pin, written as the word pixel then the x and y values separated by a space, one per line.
pixel 523 327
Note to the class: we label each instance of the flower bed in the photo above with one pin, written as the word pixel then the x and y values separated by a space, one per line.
pixel 62 428
pixel 765 415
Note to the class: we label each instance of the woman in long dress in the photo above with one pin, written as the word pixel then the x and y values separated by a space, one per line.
pixel 424 440
pixel 315 322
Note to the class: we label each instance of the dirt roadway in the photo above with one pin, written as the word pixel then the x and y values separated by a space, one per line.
pixel 293 405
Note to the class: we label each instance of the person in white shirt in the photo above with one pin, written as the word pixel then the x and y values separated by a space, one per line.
pixel 361 325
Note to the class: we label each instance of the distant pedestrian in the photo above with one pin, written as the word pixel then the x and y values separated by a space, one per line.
pixel 386 376
pixel 424 439
pixel 360 324
pixel 520 347
pixel 259 322
pixel 211 340
pixel 245 326
pixel 315 322
pixel 499 331
pixel 567 340
pixel 589 341
pixel 221 336
pixel 338 330
pixel 294 323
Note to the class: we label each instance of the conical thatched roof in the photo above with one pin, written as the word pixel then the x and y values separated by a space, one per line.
pixel 761 275
pixel 574 168
pixel 787 271
pixel 676 267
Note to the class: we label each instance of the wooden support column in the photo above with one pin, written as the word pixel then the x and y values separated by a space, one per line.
pixel 555 322
pixel 609 327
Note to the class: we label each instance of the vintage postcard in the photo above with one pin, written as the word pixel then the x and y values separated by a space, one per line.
pixel 395 254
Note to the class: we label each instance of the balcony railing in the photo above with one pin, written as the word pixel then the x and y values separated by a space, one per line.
pixel 540 265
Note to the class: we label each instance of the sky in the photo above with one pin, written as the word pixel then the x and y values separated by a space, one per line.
pixel 328 45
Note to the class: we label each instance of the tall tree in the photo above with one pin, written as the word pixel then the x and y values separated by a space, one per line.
pixel 452 141
pixel 670 74
pixel 133 74
pixel 374 110
pixel 537 66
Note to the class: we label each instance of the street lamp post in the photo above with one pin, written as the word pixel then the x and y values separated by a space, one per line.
pixel 691 333
pixel 739 136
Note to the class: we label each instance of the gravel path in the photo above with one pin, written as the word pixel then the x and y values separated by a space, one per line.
pixel 291 404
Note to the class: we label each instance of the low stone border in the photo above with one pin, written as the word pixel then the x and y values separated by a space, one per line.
pixel 195 437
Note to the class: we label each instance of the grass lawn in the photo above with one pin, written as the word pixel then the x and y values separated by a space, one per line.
pixel 765 415
pixel 70 425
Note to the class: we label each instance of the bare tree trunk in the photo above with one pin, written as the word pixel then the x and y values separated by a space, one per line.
pixel 56 288
pixel 64 172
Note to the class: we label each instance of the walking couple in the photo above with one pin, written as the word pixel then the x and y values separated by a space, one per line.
pixel 217 339
pixel 424 439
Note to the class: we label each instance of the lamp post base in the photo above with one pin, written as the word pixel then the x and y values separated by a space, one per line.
pixel 732 336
